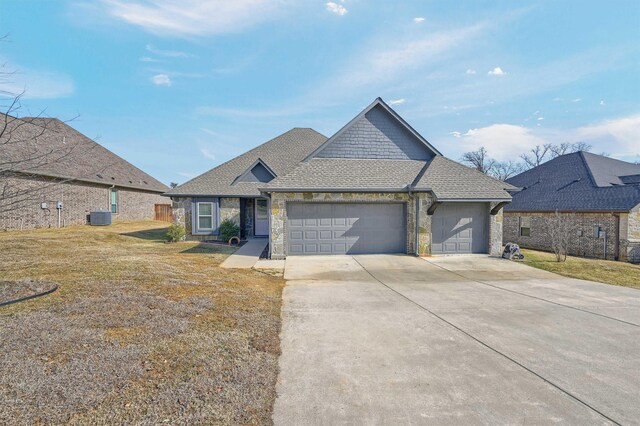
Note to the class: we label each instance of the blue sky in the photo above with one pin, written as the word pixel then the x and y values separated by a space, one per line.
pixel 179 86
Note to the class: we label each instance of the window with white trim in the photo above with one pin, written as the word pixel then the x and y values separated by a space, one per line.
pixel 113 198
pixel 525 226
pixel 205 216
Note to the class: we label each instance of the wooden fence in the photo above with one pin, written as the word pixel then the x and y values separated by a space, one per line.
pixel 163 212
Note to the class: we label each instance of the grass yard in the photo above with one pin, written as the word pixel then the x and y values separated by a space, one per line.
pixel 139 331
pixel 604 271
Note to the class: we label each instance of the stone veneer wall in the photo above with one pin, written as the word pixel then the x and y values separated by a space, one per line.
pixel 279 218
pixel 587 244
pixel 229 208
pixel 496 222
pixel 79 199
pixel 630 235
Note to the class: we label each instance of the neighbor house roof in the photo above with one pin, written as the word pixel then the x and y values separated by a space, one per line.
pixel 579 181
pixel 281 155
pixel 50 147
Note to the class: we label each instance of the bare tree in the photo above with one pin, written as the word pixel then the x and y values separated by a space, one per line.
pixel 568 148
pixel 173 185
pixel 503 170
pixel 560 228
pixel 479 160
pixel 536 155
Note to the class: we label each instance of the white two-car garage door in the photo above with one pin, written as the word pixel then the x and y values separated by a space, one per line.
pixel 346 228
pixel 460 228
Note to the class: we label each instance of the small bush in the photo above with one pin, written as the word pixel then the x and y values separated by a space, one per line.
pixel 228 230
pixel 175 233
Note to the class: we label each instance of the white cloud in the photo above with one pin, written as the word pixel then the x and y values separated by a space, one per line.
pixel 470 71
pixel 34 84
pixel 336 8
pixel 503 141
pixel 618 136
pixel 148 59
pixel 601 102
pixel 497 71
pixel 195 17
pixel 167 53
pixel 418 20
pixel 540 118
pixel 187 175
pixel 388 59
pixel 507 141
pixel 576 100
pixel 206 152
pixel 161 80
pixel 397 101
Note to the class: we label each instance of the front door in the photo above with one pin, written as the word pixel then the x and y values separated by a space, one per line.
pixel 262 217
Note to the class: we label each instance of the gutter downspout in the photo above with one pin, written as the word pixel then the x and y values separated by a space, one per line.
pixel 417 220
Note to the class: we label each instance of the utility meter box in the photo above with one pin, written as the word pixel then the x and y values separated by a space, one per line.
pixel 59 205
pixel 596 231
pixel 44 206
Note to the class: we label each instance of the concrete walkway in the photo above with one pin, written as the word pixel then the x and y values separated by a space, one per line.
pixel 395 340
pixel 247 255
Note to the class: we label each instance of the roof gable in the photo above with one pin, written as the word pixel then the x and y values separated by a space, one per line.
pixel 258 172
pixel 378 132
pixel 279 155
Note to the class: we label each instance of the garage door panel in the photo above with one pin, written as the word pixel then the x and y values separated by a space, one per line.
pixel 325 235
pixel 346 228
pixel 460 228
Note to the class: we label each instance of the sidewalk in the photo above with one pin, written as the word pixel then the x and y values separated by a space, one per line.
pixel 247 255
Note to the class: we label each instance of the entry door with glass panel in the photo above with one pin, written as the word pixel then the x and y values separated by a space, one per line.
pixel 262 217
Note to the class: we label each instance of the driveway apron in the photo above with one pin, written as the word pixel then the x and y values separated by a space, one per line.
pixel 383 339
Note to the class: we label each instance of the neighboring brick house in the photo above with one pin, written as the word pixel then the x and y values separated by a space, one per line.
pixel 376 186
pixel 597 195
pixel 46 162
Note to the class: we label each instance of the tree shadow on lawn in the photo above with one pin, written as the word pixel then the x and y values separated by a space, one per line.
pixel 156 234
pixel 208 248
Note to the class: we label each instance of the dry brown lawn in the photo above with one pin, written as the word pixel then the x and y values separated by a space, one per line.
pixel 139 331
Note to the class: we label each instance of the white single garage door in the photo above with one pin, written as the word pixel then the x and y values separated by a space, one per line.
pixel 345 228
pixel 460 228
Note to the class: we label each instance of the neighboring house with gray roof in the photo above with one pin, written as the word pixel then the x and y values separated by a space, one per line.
pixel 46 162
pixel 598 196
pixel 376 186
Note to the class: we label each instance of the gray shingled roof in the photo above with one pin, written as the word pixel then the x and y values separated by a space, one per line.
pixel 348 174
pixel 450 180
pixel 281 154
pixel 445 178
pixel 577 182
pixel 49 147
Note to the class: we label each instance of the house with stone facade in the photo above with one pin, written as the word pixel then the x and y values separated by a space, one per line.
pixel 376 186
pixel 597 196
pixel 51 175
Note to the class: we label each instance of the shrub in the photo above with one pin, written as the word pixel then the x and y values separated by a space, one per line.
pixel 175 233
pixel 228 230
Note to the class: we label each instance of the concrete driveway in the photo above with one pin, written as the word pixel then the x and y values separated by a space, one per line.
pixel 382 339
